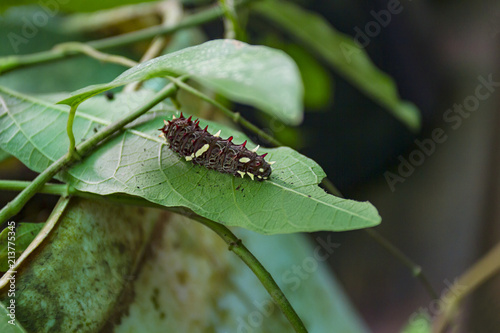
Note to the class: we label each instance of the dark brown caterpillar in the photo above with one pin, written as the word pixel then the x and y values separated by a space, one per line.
pixel 187 139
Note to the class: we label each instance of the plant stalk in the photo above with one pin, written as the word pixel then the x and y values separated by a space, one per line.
pixel 482 270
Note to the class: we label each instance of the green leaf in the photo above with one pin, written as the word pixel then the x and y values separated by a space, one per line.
pixel 257 75
pixel 5 326
pixel 340 51
pixel 138 162
pixel 24 234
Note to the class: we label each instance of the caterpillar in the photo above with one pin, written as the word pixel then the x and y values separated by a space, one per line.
pixel 186 138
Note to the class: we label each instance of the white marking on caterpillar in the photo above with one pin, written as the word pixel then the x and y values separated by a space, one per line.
pixel 261 170
pixel 245 160
pixel 189 158
pixel 241 173
pixel 217 134
pixel 255 149
pixel 173 117
pixel 250 175
pixel 162 135
pixel 259 177
pixel 203 149
pixel 265 177
pixel 271 163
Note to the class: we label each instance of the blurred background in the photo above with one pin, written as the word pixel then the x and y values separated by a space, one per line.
pixel 445 215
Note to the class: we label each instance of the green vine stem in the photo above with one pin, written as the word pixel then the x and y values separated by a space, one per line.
pixel 231 25
pixel 19 185
pixel 415 269
pixel 9 63
pixel 479 273
pixel 69 131
pixel 13 207
pixel 171 12
pixel 93 53
pixel 234 244
pixel 262 274
pixel 83 48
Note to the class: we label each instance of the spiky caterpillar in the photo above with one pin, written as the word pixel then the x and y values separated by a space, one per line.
pixel 187 139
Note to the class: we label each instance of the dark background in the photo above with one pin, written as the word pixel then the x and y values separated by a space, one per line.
pixel 445 215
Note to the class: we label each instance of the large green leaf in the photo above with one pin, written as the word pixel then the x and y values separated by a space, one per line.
pixel 24 234
pixel 256 75
pixel 137 162
pixel 340 51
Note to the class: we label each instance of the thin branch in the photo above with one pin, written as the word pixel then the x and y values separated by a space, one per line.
pixel 172 13
pixel 231 24
pixel 77 47
pixel 234 244
pixel 415 269
pixel 14 206
pixel 19 185
pixel 235 116
pixel 9 63
pixel 69 131
pixel 262 274
pixel 67 190
pixel 479 273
